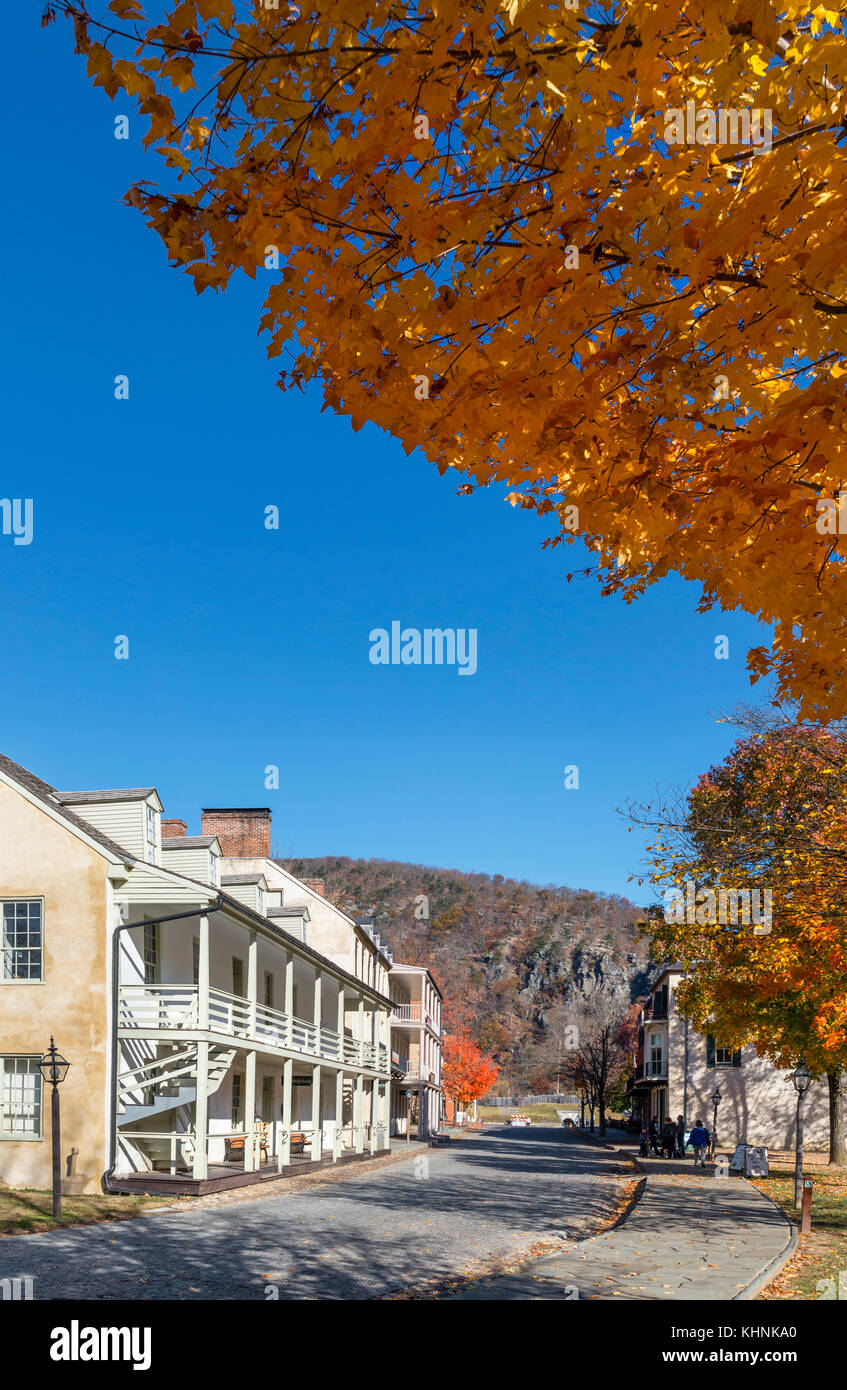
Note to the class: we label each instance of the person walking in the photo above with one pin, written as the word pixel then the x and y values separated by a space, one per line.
pixel 698 1139
pixel 680 1136
pixel 654 1137
pixel 668 1138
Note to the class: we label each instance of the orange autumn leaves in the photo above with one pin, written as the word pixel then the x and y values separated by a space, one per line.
pixel 467 1073
pixel 772 815
pixel 474 235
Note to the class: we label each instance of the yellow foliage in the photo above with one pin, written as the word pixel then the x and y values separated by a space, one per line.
pixel 647 328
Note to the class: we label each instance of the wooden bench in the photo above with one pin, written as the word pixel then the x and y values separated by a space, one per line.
pixel 234 1146
pixel 300 1141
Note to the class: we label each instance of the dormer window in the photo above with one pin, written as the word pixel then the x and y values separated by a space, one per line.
pixel 152 835
pixel 213 869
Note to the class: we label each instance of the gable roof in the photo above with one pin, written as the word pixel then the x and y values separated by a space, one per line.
pixel 112 794
pixel 51 799
pixel 188 842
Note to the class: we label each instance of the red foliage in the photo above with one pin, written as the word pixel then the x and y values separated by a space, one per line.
pixel 467 1073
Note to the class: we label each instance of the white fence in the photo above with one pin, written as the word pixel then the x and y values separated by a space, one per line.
pixel 552 1099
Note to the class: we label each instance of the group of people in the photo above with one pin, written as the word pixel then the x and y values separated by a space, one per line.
pixel 672 1142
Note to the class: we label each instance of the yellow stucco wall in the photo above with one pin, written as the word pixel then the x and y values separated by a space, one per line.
pixel 39 858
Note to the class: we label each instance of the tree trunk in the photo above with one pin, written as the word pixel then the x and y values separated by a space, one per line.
pixel 591 1114
pixel 602 1104
pixel 837 1082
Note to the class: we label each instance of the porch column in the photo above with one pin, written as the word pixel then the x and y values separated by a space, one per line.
pixel 251 1160
pixel 340 1022
pixel 203 975
pixel 361 1030
pixel 288 1003
pixel 374 1115
pixel 287 1088
pixel 317 1130
pixel 359 1114
pixel 316 1012
pixel 339 1114
pixel 421 1114
pixel 200 1166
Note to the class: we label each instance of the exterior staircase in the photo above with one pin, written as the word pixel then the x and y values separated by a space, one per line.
pixel 165 1083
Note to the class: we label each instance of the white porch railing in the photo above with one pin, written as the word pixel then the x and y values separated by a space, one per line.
pixel 412 1013
pixel 176 1007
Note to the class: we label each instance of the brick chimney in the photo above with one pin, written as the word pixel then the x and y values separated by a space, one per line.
pixel 244 832
pixel 317 885
pixel 174 829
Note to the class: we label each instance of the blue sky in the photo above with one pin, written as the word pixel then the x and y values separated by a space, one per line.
pixel 250 647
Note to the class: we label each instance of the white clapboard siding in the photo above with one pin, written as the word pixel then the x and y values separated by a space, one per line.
pixel 193 863
pixel 123 821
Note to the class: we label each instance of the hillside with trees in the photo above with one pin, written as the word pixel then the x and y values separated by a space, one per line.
pixel 514 959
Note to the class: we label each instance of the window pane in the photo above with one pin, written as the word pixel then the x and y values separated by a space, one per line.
pixel 21 941
pixel 20 1109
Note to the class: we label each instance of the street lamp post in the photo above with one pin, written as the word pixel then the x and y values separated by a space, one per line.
pixel 716 1100
pixel 802 1080
pixel 54 1068
pixel 409 1097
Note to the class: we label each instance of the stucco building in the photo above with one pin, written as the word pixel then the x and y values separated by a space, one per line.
pixel 677 1072
pixel 223 1021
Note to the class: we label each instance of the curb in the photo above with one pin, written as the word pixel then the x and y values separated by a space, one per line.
pixel 772 1269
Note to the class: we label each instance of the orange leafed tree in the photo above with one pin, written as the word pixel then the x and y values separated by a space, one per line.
pixel 591 253
pixel 772 818
pixel 467 1073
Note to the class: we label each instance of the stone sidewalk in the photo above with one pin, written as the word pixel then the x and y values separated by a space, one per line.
pixel 689 1236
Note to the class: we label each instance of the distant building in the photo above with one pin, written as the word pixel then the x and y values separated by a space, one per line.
pixel 415 1049
pixel 677 1071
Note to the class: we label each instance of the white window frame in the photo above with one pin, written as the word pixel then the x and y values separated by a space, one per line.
pixel 151 833
pixel 213 870
pixel 151 962
pixel 22 1136
pixel 24 980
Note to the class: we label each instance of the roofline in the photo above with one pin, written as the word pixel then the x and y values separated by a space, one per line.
pixel 398 965
pixel 109 849
pixel 256 919
pixel 300 946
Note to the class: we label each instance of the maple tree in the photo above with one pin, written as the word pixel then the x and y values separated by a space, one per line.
pixel 467 1074
pixel 488 229
pixel 772 816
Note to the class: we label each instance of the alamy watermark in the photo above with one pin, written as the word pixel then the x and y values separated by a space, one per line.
pixel 430 646
pixel 726 907
pixel 17 519
pixel 706 125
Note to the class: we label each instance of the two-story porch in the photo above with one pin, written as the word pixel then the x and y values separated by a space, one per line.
pixel 241 1053
pixel 416 1089
pixel 647 1089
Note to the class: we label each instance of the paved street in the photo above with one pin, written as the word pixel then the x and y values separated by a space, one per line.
pixel 691 1236
pixel 488 1194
